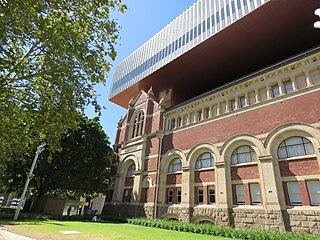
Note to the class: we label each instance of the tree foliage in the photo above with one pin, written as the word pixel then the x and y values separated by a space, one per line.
pixel 82 168
pixel 52 54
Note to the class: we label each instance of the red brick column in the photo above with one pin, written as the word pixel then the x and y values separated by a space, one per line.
pixel 304 193
pixel 174 195
pixel 246 190
pixel 206 194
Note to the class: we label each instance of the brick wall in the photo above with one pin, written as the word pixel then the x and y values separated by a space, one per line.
pixel 174 178
pixel 299 167
pixel 252 122
pixel 152 146
pixel 204 176
pixel 150 164
pixel 244 172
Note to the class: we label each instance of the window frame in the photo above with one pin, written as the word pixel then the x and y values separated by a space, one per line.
pixel 201 160
pixel 131 170
pixel 200 195
pixel 179 195
pixel 311 193
pixel 275 90
pixel 232 104
pixel 172 165
pixel 252 152
pixel 237 187
pixel 304 143
pixel 257 194
pixel 169 195
pixel 137 124
pixel 285 84
pixel 127 193
pixel 242 101
pixel 211 187
pixel 298 193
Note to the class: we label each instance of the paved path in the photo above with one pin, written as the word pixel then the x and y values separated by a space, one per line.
pixel 5 235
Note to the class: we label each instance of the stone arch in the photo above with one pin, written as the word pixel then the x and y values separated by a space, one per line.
pixel 239 140
pixel 199 149
pixel 202 218
pixel 283 132
pixel 126 163
pixel 226 152
pixel 170 216
pixel 169 156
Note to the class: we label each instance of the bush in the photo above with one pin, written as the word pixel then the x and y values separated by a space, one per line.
pixel 7 210
pixel 210 229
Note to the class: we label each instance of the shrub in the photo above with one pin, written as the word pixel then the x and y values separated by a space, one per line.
pixel 210 229
pixel 7 210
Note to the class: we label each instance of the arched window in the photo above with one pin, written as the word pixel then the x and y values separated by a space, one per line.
pixel 243 154
pixel 295 146
pixel 137 126
pixel 175 165
pixel 131 171
pixel 205 160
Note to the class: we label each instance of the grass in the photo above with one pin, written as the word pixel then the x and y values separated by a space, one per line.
pixel 99 231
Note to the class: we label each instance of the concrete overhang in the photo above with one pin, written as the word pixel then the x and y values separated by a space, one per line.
pixel 275 31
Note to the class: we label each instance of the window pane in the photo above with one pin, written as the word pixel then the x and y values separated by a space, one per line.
pixel 255 193
pixel 309 148
pixel 174 166
pixel 178 195
pixel 282 153
pixel 234 159
pixel 240 194
pixel 295 146
pixel 243 154
pixel 294 193
pixel 293 141
pixel 212 194
pixel 242 101
pixel 288 86
pixel 204 161
pixel 275 90
pixel 243 149
pixel 314 192
pixel 242 158
pixel 232 104
pixel 200 195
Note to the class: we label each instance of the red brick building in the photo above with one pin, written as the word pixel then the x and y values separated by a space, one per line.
pixel 245 154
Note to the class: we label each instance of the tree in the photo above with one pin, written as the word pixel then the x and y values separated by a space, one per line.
pixel 82 168
pixel 52 54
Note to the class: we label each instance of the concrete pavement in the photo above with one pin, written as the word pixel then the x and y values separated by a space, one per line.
pixel 5 235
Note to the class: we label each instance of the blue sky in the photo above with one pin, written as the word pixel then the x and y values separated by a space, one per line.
pixel 143 19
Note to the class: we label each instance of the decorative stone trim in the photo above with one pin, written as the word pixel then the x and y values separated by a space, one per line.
pixel 265 158
pixel 220 164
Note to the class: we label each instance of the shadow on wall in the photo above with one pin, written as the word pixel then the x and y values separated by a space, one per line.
pixel 122 211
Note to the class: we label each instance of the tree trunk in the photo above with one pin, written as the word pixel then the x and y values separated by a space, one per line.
pixel 39 204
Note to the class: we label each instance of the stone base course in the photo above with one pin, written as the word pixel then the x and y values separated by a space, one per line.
pixel 307 221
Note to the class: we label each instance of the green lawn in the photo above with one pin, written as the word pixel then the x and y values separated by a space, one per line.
pixel 98 231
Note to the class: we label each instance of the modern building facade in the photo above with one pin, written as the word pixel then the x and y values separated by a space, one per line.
pixel 244 154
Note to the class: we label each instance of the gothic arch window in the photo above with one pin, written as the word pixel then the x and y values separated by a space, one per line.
pixel 243 154
pixel 137 125
pixel 174 166
pixel 205 160
pixel 131 170
pixel 295 146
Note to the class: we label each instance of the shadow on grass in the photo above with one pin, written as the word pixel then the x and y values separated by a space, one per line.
pixel 26 222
